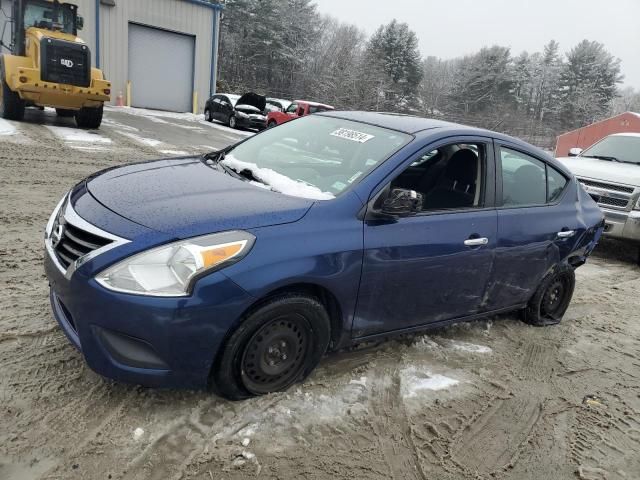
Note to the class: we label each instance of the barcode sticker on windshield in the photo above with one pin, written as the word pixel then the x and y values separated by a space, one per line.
pixel 352 135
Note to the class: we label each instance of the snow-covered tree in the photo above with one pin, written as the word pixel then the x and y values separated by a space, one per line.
pixel 589 82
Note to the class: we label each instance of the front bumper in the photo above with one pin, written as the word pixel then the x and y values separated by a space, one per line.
pixel 152 341
pixel 48 94
pixel 257 123
pixel 622 225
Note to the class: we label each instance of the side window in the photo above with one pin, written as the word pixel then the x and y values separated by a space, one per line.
pixel 292 108
pixel 556 182
pixel 448 178
pixel 523 179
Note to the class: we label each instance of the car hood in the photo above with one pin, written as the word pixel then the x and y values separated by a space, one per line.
pixel 253 100
pixel 185 197
pixel 604 170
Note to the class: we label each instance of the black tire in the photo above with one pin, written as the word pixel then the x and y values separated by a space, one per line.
pixel 63 112
pixel 207 115
pixel 89 117
pixel 552 298
pixel 11 105
pixel 233 123
pixel 275 346
pixel 272 123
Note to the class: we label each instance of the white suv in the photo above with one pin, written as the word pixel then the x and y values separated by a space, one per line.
pixel 610 172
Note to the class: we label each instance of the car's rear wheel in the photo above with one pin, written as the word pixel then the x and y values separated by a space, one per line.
pixel 233 123
pixel 552 298
pixel 271 124
pixel 207 115
pixel 276 345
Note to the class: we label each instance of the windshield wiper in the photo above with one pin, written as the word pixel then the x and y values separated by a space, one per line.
pixel 603 157
pixel 215 158
pixel 610 158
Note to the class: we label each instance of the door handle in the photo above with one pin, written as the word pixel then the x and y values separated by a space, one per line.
pixel 475 242
pixel 566 233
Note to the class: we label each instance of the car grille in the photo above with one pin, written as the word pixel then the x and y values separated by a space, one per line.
pixel 606 186
pixel 609 195
pixel 613 202
pixel 74 243
pixel 65 62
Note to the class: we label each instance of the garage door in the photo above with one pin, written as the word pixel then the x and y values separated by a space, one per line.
pixel 160 68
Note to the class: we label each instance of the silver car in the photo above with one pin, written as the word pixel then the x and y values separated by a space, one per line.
pixel 610 172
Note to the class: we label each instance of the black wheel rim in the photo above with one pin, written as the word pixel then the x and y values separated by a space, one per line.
pixel 275 356
pixel 554 301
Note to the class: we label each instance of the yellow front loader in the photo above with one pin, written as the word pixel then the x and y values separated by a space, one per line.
pixel 48 65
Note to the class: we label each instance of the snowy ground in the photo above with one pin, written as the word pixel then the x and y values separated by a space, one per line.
pixel 492 399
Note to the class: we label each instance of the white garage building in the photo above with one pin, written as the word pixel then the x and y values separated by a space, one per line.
pixel 166 49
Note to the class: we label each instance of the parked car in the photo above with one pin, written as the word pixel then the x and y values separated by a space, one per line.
pixel 298 108
pixel 277 105
pixel 246 111
pixel 239 269
pixel 610 172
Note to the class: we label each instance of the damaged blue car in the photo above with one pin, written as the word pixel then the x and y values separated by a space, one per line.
pixel 238 270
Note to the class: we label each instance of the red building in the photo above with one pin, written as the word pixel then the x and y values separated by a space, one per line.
pixel 587 136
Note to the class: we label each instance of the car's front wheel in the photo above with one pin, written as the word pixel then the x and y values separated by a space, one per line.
pixel 207 115
pixel 272 123
pixel 552 298
pixel 233 123
pixel 276 345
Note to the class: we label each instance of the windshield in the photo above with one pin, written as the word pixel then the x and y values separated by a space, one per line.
pixel 625 148
pixel 41 14
pixel 314 157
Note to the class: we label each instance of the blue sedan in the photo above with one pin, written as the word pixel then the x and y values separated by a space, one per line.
pixel 240 269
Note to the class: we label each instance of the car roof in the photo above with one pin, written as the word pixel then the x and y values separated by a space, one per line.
pixel 412 125
pixel 626 134
pixel 395 121
pixel 315 104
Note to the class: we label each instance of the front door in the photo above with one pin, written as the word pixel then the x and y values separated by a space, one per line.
pixel 433 266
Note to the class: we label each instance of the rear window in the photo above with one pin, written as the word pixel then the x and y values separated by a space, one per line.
pixel 317 108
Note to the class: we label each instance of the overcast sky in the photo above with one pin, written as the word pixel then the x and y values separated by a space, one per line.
pixel 451 28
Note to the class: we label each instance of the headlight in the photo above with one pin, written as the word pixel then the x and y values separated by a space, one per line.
pixel 170 270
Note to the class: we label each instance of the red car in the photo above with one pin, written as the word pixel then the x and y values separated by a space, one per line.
pixel 299 108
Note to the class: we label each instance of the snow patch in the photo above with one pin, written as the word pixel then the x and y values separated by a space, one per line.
pixel 137 433
pixel 151 142
pixel 74 135
pixel 468 347
pixel 414 381
pixel 6 128
pixel 277 181
pixel 174 152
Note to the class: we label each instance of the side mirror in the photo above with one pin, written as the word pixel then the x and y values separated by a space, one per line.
pixel 402 203
pixel 575 151
pixel 79 22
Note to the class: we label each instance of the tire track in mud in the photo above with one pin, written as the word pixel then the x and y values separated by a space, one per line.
pixel 609 432
pixel 391 428
pixel 491 442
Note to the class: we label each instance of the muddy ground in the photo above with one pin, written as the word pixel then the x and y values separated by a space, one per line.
pixel 492 399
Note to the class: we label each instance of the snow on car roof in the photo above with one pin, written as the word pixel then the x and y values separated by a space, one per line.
pixel 315 104
pixel 626 134
pixel 232 96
